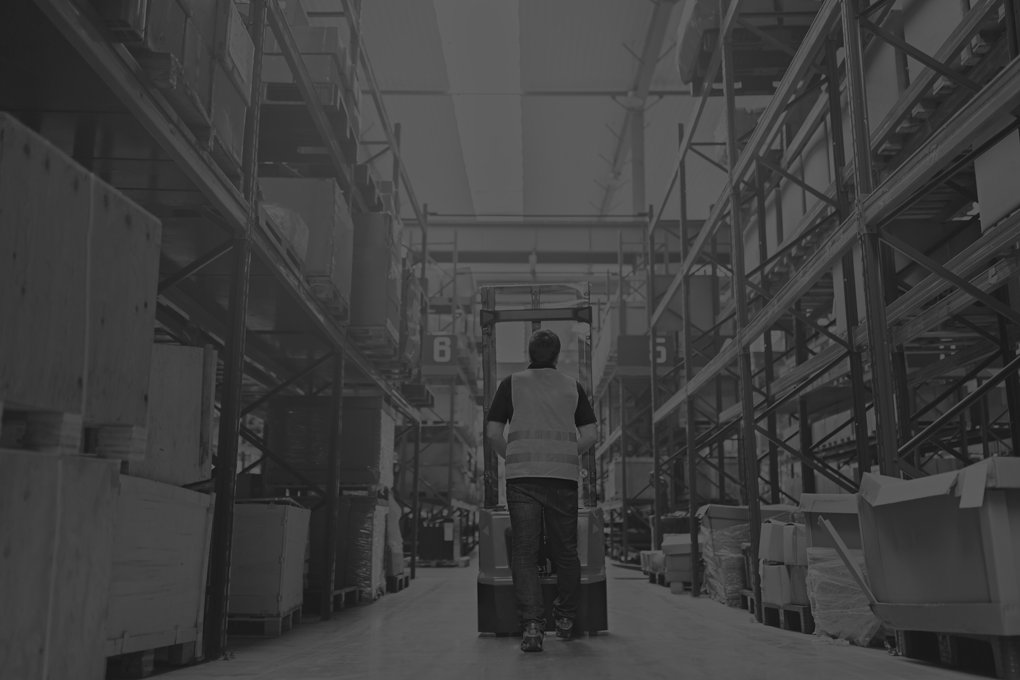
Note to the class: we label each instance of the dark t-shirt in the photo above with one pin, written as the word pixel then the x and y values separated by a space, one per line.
pixel 502 408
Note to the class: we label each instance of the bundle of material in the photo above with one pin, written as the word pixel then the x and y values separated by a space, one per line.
pixel 724 563
pixel 838 606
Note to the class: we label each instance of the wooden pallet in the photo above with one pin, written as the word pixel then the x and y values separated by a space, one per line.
pixel 680 587
pixel 793 617
pixel 283 107
pixel 375 342
pixel 263 626
pixel 461 562
pixel 142 664
pixel 981 653
pixel 394 584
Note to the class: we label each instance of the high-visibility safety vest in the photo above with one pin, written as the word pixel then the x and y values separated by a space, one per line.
pixel 542 438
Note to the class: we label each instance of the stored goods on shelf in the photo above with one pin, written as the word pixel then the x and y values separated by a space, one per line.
pixel 435 482
pixel 83 270
pixel 312 41
pixel 394 555
pixel 328 262
pixel 676 550
pixel 267 557
pixel 56 526
pixel 963 523
pixel 360 539
pixel 160 558
pixel 466 410
pixel 298 432
pixel 182 386
pixel 377 278
pixel 367 442
pixel 723 528
pixel 290 231
pixel 200 56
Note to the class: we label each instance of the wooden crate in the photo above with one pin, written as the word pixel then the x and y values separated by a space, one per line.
pixel 182 386
pixel 267 558
pixel 160 555
pixel 44 208
pixel 79 302
pixel 123 274
pixel 328 262
pixel 55 568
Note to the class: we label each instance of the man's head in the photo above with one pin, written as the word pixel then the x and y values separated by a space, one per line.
pixel 544 347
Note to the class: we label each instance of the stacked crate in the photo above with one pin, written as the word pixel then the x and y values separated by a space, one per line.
pixel 200 57
pixel 328 262
pixel 377 281
pixel 77 294
pixel 290 134
pixel 782 553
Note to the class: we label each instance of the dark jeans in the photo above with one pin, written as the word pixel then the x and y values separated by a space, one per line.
pixel 530 500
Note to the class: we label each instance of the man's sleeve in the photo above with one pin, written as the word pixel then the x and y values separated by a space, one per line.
pixel 502 408
pixel 583 414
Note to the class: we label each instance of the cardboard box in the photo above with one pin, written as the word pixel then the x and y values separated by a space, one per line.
pixel 770 546
pixel 773 577
pixel 796 581
pixel 794 545
pixel 678 575
pixel 838 508
pixel 676 544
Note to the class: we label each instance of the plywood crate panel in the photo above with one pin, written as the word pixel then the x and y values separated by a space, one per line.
pixel 182 383
pixel 267 558
pixel 44 228
pixel 56 535
pixel 160 557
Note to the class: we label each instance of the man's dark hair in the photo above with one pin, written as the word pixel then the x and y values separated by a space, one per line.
pixel 544 347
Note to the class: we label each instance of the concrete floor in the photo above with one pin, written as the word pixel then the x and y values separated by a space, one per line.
pixel 428 631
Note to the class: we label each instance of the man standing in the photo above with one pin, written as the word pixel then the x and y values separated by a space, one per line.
pixel 551 425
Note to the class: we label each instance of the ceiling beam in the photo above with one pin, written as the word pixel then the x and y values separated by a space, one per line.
pixel 649 59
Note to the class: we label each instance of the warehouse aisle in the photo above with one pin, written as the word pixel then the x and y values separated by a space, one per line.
pixel 428 631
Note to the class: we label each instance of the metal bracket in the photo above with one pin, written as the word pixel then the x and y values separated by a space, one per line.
pixel 490 317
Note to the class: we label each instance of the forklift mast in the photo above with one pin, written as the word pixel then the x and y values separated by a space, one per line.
pixel 535 303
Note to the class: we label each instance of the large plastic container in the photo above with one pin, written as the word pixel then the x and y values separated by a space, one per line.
pixel 840 509
pixel 941 550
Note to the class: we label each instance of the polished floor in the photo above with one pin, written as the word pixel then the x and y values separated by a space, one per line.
pixel 428 632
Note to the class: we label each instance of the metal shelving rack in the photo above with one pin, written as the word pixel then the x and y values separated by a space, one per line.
pixel 913 165
pixel 274 335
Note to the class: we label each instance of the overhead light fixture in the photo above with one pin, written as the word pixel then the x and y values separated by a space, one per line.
pixel 631 100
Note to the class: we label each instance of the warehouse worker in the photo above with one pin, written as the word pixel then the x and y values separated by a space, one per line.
pixel 551 425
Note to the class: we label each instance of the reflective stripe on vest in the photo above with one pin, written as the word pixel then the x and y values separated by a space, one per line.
pixel 542 438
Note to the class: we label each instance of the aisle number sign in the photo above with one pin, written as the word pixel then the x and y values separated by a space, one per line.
pixel 633 350
pixel 440 350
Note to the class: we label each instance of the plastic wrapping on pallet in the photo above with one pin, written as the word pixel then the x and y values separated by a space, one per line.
pixel 839 607
pixel 394 555
pixel 361 539
pixel 367 442
pixel 724 563
pixel 298 433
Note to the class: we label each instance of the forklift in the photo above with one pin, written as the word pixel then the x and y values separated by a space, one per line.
pixel 497 604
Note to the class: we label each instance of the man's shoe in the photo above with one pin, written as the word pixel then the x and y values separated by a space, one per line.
pixel 533 637
pixel 564 628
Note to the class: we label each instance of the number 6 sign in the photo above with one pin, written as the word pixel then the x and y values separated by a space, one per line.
pixel 440 350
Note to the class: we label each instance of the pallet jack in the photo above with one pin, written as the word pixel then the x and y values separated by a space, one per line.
pixel 497 604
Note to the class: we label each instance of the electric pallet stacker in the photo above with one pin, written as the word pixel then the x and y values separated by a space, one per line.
pixel 497 606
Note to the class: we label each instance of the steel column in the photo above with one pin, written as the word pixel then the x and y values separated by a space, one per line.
pixel 763 256
pixel 415 501
pixel 874 290
pixel 332 490
pixel 653 382
pixel 622 394
pixel 233 368
pixel 689 430
pixel 858 403
pixel 749 436
pixel 807 473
